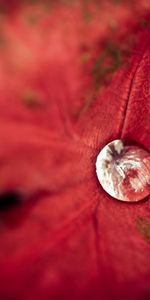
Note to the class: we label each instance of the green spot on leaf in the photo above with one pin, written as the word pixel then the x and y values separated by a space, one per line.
pixel 87 13
pixel 102 70
pixel 115 2
pixel 30 99
pixel 90 97
pixel 144 23
pixel 32 19
pixel 69 2
pixel 85 58
pixel 143 226
pixel 32 2
pixel 2 7
pixel 106 64
pixel 3 40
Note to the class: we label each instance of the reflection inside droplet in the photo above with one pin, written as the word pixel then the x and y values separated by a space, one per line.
pixel 124 171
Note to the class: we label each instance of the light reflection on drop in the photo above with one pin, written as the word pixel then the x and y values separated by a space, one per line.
pixel 124 171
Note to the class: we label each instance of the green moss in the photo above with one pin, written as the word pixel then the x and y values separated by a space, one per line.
pixel 143 226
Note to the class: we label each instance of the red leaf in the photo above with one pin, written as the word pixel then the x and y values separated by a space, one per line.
pixel 69 239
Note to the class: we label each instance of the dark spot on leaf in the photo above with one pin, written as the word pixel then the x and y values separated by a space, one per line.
pixel 113 25
pixel 143 226
pixel 32 19
pixel 2 7
pixel 85 57
pixel 69 2
pixel 107 63
pixel 103 66
pixel 3 40
pixel 87 14
pixel 31 1
pixel 9 200
pixel 90 97
pixel 145 294
pixel 144 23
pixel 115 2
pixel 30 99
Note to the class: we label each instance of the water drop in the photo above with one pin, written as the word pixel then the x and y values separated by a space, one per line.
pixel 124 171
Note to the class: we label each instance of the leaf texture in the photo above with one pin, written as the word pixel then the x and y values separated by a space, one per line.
pixel 74 75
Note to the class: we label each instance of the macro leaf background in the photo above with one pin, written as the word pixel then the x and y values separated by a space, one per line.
pixel 74 75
